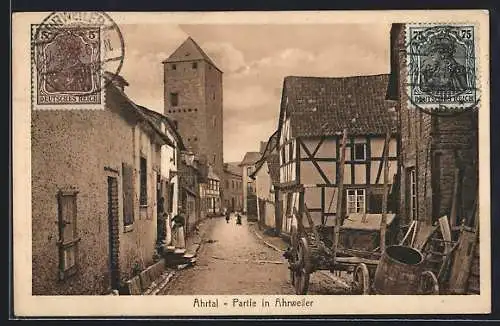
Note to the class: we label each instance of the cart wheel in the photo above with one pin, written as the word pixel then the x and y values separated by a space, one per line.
pixel 301 274
pixel 361 279
pixel 428 283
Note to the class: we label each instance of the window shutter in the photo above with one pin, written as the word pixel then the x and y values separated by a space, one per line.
pixel 67 218
pixel 128 194
pixel 171 198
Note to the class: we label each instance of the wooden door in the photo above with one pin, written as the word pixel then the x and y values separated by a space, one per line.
pixel 113 232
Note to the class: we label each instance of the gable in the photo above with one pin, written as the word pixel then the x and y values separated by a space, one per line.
pixel 189 51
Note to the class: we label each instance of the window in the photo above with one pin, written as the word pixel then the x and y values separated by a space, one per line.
pixel 213 159
pixel 412 194
pixel 128 194
pixel 232 184
pixel 174 66
pixel 359 152
pixel 355 201
pixel 68 238
pixel 195 65
pixel 174 99
pixel 249 187
pixel 227 184
pixel 144 182
pixel 249 170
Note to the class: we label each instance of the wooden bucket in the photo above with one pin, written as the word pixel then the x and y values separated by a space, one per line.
pixel 398 271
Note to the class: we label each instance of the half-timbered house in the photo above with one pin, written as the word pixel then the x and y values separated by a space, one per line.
pixel 266 176
pixel 314 112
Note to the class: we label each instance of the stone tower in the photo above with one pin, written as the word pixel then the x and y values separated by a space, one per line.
pixel 193 97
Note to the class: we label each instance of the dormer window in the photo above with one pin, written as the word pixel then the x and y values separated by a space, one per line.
pixel 195 65
pixel 174 66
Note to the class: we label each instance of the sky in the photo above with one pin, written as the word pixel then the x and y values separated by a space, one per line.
pixel 255 59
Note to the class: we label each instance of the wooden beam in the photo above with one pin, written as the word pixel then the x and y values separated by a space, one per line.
pixel 322 139
pixel 383 222
pixel 453 213
pixel 313 161
pixel 340 183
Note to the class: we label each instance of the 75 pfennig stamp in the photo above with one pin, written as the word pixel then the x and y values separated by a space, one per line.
pixel 441 68
pixel 70 54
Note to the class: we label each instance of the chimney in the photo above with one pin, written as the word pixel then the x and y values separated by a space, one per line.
pixel 117 80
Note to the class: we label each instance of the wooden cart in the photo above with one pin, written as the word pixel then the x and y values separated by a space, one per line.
pixel 332 248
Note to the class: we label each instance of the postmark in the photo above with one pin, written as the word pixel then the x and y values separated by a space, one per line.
pixel 442 68
pixel 74 56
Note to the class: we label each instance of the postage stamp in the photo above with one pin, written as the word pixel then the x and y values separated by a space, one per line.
pixel 74 56
pixel 442 68
pixel 251 163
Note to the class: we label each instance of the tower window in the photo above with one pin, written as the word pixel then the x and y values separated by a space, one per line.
pixel 174 99
pixel 195 65
pixel 174 66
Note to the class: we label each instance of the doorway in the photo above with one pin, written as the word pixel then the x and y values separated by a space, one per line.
pixel 114 244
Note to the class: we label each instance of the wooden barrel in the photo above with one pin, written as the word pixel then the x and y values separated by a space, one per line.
pixel 398 271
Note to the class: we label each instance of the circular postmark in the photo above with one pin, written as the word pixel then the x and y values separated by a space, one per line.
pixel 76 55
pixel 441 63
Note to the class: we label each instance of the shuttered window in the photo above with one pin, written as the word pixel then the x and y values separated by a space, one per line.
pixel 144 182
pixel 68 233
pixel 128 194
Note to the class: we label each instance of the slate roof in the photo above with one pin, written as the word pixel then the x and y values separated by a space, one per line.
pixel 272 158
pixel 320 106
pixel 189 50
pixel 233 168
pixel 212 175
pixel 126 102
pixel 250 158
pixel 263 145
pixel 156 117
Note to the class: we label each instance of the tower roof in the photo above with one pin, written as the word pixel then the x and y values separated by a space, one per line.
pixel 189 50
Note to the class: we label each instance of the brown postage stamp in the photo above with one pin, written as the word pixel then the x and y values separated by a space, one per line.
pixel 71 52
pixel 244 163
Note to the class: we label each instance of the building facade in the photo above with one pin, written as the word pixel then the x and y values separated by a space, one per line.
pixel 193 98
pixel 189 189
pixel 168 180
pixel 249 198
pixel 314 113
pixel 437 153
pixel 233 192
pixel 439 170
pixel 94 216
pixel 266 176
pixel 213 193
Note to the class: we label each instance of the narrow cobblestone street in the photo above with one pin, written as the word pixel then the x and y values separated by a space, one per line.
pixel 234 260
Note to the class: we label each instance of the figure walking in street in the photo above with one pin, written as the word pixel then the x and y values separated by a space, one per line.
pixel 178 223
pixel 228 215
pixel 238 218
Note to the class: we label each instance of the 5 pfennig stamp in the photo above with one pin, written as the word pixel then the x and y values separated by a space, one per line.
pixel 74 56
